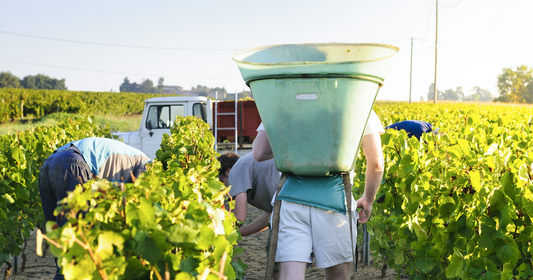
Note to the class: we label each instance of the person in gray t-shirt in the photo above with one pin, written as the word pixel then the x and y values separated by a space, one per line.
pixel 251 182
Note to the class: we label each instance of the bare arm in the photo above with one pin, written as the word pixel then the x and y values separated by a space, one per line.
pixel 261 147
pixel 374 172
pixel 241 202
pixel 256 226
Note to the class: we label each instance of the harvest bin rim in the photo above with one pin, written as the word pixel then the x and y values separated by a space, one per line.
pixel 248 51
pixel 368 61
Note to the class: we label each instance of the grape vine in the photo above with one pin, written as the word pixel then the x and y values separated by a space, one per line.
pixel 22 156
pixel 456 205
pixel 171 223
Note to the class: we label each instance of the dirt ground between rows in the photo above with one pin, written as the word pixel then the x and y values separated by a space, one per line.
pixel 254 255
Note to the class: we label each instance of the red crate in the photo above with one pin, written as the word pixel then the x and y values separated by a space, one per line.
pixel 248 120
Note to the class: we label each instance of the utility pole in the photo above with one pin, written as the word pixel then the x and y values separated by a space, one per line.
pixel 411 72
pixel 436 37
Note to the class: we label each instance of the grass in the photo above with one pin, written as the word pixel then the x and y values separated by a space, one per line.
pixel 122 124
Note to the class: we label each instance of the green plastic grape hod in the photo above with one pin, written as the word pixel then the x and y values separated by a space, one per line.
pixel 315 99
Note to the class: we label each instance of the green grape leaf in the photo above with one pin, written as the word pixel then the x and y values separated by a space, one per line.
pixel 456 152
pixel 23 192
pixel 488 230
pixel 456 266
pixel 407 166
pixel 399 256
pixel 476 268
pixel 465 145
pixel 525 271
pixel 447 205
pixel 9 198
pixel 491 149
pixel 385 138
pixel 491 271
pixel 4 257
pixel 147 211
pixel 3 215
pixel 106 241
pixel 146 247
pixel 506 214
pixel 136 270
pixel 239 267
pixel 507 250
pixel 507 180
pixel 498 198
pixel 132 213
pixel 527 202
pixel 475 179
pixel 182 234
pixel 80 269
pixel 425 262
pixel 507 272
pixel 189 265
pixel 160 240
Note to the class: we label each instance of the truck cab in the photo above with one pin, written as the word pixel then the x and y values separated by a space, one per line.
pixel 158 117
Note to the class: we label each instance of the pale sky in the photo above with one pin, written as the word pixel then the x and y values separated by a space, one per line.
pixel 94 45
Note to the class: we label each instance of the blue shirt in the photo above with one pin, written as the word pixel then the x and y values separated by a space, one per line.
pixel 413 128
pixel 110 159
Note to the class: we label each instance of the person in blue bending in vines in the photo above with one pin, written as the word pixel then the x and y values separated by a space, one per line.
pixel 414 128
pixel 79 161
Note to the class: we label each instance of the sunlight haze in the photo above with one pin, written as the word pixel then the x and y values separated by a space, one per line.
pixel 94 45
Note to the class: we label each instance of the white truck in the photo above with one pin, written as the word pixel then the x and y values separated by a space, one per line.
pixel 159 115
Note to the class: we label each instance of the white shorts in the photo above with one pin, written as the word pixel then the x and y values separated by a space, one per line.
pixel 306 229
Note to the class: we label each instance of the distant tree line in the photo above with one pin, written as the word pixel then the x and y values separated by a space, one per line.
pixel 40 81
pixel 478 94
pixel 146 86
pixel 205 89
pixel 514 86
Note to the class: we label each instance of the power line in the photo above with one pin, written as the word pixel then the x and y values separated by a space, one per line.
pixel 427 26
pixel 113 45
pixel 112 72
pixel 484 33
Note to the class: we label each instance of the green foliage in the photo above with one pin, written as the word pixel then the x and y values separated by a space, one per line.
pixel 480 95
pixel 170 222
pixel 115 123
pixel 8 80
pixel 21 158
pixel 456 205
pixel 41 81
pixel 40 103
pixel 516 86
pixel 147 86
pixel 448 94
pixel 204 90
